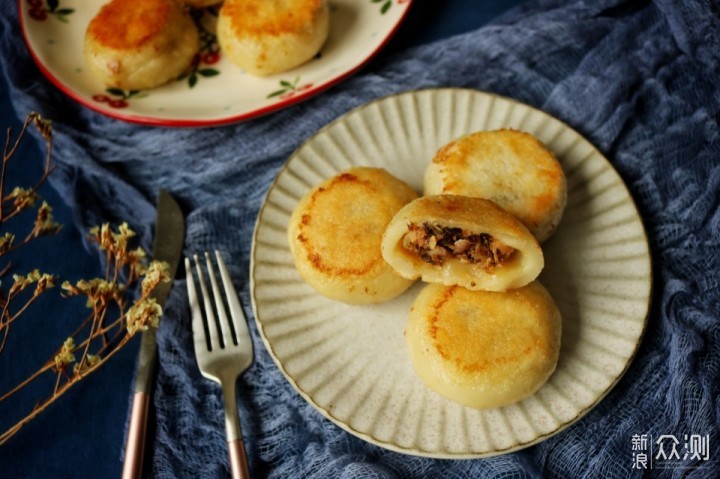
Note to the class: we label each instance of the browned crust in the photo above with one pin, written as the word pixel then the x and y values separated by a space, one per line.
pixel 444 331
pixel 306 221
pixel 248 20
pixel 335 235
pixel 125 24
pixel 484 148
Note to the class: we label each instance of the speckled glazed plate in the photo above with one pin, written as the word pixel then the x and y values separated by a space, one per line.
pixel 351 362
pixel 215 91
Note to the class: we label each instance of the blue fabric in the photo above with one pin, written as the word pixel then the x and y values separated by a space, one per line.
pixel 638 79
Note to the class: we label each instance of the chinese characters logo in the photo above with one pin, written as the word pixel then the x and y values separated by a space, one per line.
pixel 667 451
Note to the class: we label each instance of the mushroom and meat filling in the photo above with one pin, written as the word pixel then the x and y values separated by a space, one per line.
pixel 436 244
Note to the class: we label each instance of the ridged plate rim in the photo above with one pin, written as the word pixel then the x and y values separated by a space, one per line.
pixel 501 112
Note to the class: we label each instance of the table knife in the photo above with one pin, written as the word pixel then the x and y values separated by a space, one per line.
pixel 167 247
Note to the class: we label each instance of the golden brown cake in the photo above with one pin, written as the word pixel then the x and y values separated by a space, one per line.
pixel 137 45
pixel 335 233
pixel 484 349
pixel 509 167
pixel 272 36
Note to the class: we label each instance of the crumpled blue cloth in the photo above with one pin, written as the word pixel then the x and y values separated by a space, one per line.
pixel 639 79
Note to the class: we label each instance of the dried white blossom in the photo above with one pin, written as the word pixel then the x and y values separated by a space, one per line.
pixel 142 315
pixel 66 355
pixel 6 242
pixel 156 272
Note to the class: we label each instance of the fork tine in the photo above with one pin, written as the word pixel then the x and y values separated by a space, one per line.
pixel 239 321
pixel 219 305
pixel 196 314
pixel 209 316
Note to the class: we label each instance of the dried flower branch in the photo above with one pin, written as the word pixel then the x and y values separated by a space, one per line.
pixel 113 319
pixel 42 282
pixel 21 199
pixel 112 322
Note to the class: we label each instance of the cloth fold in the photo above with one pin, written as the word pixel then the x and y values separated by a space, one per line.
pixel 637 78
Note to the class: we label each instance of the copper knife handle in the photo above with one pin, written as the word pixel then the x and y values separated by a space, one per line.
pixel 238 460
pixel 167 247
pixel 135 447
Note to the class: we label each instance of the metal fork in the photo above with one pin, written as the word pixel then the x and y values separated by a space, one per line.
pixel 223 348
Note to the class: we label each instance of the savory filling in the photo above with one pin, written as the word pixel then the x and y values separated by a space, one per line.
pixel 435 244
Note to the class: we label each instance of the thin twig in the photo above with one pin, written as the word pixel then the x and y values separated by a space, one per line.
pixel 59 392
pixel 101 334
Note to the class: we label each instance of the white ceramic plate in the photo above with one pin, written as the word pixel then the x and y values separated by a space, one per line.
pixel 351 362
pixel 216 92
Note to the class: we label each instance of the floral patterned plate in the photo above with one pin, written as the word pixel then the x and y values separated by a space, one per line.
pixel 213 91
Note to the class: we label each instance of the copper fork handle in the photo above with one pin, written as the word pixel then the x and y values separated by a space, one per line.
pixel 238 460
pixel 135 448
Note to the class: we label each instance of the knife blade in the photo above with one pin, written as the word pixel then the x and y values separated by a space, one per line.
pixel 167 247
